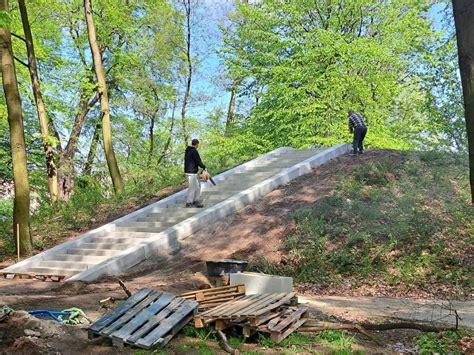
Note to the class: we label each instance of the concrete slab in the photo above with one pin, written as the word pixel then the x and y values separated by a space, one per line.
pixel 256 283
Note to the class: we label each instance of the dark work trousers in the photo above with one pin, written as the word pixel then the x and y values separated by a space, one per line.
pixel 359 135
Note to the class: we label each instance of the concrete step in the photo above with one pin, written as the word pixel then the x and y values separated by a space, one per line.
pixel 151 229
pixel 207 202
pixel 116 240
pixel 217 191
pixel 55 271
pixel 270 169
pixel 260 174
pixel 65 264
pixel 161 218
pixel 182 210
pixel 287 159
pixel 140 224
pixel 108 246
pixel 125 233
pixel 93 252
pixel 311 151
pixel 88 259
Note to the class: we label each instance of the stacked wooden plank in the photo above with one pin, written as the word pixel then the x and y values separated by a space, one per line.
pixel 31 275
pixel 146 319
pixel 272 313
pixel 213 297
pixel 285 323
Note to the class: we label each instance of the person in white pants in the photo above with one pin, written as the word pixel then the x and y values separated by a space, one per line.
pixel 192 163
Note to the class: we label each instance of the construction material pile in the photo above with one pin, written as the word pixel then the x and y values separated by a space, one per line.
pixel 151 318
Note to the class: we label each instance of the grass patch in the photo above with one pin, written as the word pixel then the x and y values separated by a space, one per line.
pixel 337 340
pixel 332 341
pixel 403 220
pixel 449 342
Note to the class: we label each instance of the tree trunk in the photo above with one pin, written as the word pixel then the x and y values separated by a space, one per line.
pixel 104 100
pixel 43 118
pixel 463 18
pixel 231 110
pixel 93 147
pixel 187 7
pixel 21 207
pixel 66 157
pixel 152 141
pixel 170 137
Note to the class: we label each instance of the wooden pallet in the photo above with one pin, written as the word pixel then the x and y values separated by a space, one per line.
pixel 285 323
pixel 213 297
pixel 31 275
pixel 146 319
pixel 254 308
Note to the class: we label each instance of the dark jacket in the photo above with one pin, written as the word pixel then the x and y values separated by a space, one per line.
pixel 192 161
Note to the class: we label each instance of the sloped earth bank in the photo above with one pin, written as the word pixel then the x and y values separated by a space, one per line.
pixel 255 232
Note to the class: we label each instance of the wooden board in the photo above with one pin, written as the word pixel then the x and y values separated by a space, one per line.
pixel 212 297
pixel 146 319
pixel 32 275
pixel 285 323
pixel 279 336
pixel 257 308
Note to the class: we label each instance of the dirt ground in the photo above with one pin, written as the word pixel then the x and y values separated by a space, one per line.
pixel 255 231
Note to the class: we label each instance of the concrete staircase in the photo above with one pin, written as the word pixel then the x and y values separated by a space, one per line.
pixel 158 228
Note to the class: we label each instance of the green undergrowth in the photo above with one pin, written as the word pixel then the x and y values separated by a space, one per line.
pixel 403 220
pixel 327 342
pixel 448 342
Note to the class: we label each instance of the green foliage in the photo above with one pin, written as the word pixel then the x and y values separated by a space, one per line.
pixel 7 243
pixel 5 19
pixel 400 220
pixel 337 340
pixel 308 62
pixel 442 343
pixel 207 332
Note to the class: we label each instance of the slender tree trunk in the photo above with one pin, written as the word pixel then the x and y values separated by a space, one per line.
pixel 170 137
pixel 187 7
pixel 463 17
pixel 152 139
pixel 93 148
pixel 104 100
pixel 231 110
pixel 66 156
pixel 43 118
pixel 21 207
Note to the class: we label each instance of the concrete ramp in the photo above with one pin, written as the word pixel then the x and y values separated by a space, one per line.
pixel 159 228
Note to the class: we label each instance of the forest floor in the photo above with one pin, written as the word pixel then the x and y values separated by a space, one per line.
pixel 260 232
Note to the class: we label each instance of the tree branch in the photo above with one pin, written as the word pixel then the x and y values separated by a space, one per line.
pixel 17 36
pixel 21 62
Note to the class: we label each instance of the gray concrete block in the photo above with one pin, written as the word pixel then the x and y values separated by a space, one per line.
pixel 256 283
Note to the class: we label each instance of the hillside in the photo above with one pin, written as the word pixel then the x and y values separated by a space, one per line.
pixel 385 223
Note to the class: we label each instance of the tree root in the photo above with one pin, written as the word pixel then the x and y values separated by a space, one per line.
pixel 225 346
pixel 122 284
